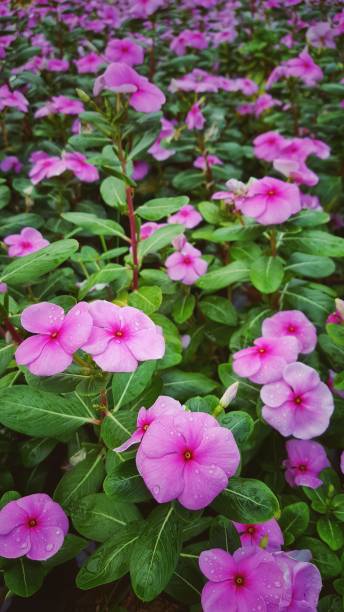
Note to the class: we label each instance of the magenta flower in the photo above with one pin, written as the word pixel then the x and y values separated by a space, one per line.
pixel 303 67
pixel 271 201
pixel 3 288
pixel 207 161
pixel 121 78
pixel 28 241
pixel 148 229
pixel 11 163
pixel 291 323
pixel 265 361
pixel 164 405
pixel 157 150
pixel 303 578
pixel 57 65
pixel 33 526
pixel 13 99
pixel 267 146
pixel 306 459
pixel 187 456
pixel 187 215
pixel 45 166
pixel 145 8
pixel 248 580
pixel 186 265
pixel 124 50
pixel 267 535
pixel 140 170
pixel 89 63
pixel 342 462
pixel 321 35
pixel 121 337
pixel 195 120
pixel 60 105
pixel 57 337
pixel 188 38
pixel 78 164
pixel 299 404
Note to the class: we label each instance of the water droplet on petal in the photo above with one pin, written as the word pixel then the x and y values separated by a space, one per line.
pixel 156 490
pixel 49 547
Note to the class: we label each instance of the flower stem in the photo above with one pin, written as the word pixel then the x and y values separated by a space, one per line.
pixel 273 244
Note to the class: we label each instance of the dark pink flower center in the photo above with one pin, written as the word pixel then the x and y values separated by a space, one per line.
pixel 302 467
pixel 251 530
pixel 187 455
pixel 119 334
pixel 298 400
pixel 32 523
pixel 26 244
pixel 187 260
pixel 184 213
pixel 271 192
pixel 54 335
pixel 239 581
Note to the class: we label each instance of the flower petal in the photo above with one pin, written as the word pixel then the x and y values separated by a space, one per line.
pixel 202 485
pixel 52 360
pixel 42 318
pixel 45 542
pixel 76 328
pixel 216 564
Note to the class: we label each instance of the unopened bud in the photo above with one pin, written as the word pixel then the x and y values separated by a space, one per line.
pixel 229 395
pixel 84 97
pixel 340 307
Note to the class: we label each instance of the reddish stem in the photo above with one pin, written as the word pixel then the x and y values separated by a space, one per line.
pixel 9 327
pixel 133 236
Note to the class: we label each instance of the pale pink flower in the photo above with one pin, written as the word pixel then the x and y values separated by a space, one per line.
pixel 265 361
pixel 188 38
pixel 57 65
pixel 164 405
pixel 121 337
pixel 207 161
pixel 248 580
pixel 186 265
pixel 57 337
pixel 60 105
pixel 89 63
pixel 187 456
pixel 195 119
pixel 78 164
pixel 33 526
pixel 342 462
pixel 187 215
pixel 13 99
pixel 271 201
pixel 11 163
pixel 298 404
pixel 158 149
pixel 147 229
pixel 306 459
pixel 321 35
pixel 310 202
pixel 292 323
pixel 140 170
pixel 268 535
pixel 145 8
pixel 3 288
pixel 267 146
pixel 28 241
pixel 303 578
pixel 124 50
pixel 303 67
pixel 45 166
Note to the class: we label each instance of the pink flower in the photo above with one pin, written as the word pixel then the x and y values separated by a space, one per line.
pixel 11 163
pixel 157 150
pixel 330 384
pixel 267 146
pixel 187 215
pixel 148 229
pixel 121 337
pixel 57 337
pixel 271 201
pixel 13 99
pixel 140 170
pixel 60 105
pixel 296 170
pixel 89 63
pixel 45 166
pixel 78 164
pixel 3 288
pixel 195 119
pixel 299 404
pixel 342 462
pixel 28 241
pixel 321 35
pixel 33 526
pixel 145 8
pixel 187 456
pixel 57 65
pixel 292 323
pixel 265 361
pixel 268 535
pixel 311 202
pixel 186 265
pixel 124 50
pixel 188 38
pixel 303 578
pixel 164 405
pixel 206 161
pixel 248 580
pixel 121 78
pixel 306 459
pixel 303 67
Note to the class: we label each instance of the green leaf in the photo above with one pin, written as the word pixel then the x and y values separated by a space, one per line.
pixel 294 521
pixel 117 427
pixel 71 547
pixel 128 386
pixel 312 301
pixel 98 516
pixel 183 308
pixel 309 218
pixel 85 478
pixel 157 209
pixel 24 577
pixel 219 309
pixel 266 274
pixel 161 238
pixel 95 225
pixel 246 500
pixel 125 483
pixel 240 423
pixel 5 196
pixel 330 532
pixel 6 354
pixel 338 507
pixel 325 559
pixel 224 535
pixel 315 242
pixel 111 560
pixel 156 552
pixel 14 223
pixel 336 333
pixel 41 414
pixel 235 272
pixel 236 231
pixel 112 191
pixel 34 451
pixel 110 273
pixel 182 385
pixel 30 267
pixel 147 299
pixel 312 266
pixel 142 142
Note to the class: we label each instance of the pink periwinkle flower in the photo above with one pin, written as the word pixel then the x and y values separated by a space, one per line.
pixel 81 168
pixel 144 97
pixel 124 50
pixel 187 215
pixel 121 337
pixel 11 163
pixel 28 241
pixel 248 580
pixel 3 288
pixel 207 161
pixel 145 8
pixel 166 134
pixel 271 201
pixel 188 38
pixel 163 406
pixel 187 456
pixel 89 63
pixel 268 535
pixel 342 462
pixel 310 202
pixel 337 317
pixel 306 459
pixel 299 404
pixel 303 67
pixel 57 337
pixel 195 120
pixel 267 146
pixel 45 166
pixel 13 99
pixel 265 361
pixel 303 578
pixel 330 384
pixel 33 526
pixel 148 229
pixel 57 65
pixel 140 170
pixel 292 323
pixel 321 35
pixel 60 105
pixel 186 265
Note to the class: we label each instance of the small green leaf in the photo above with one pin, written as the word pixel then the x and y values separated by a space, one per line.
pixel 246 500
pixel 240 424
pixel 161 238
pixel 266 274
pixel 330 532
pixel 183 308
pixel 147 299
pixel 235 272
pixel 182 385
pixel 113 190
pixel 219 309
pixel 95 225
pixel 85 478
pixel 326 560
pixel 294 521
pixel 98 516
pixel 125 483
pixel 157 209
pixel 24 577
